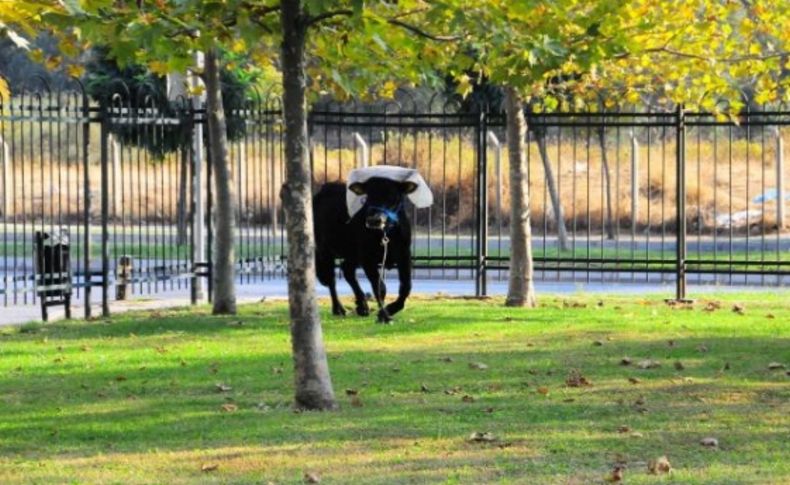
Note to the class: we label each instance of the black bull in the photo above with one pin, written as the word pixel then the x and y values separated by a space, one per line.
pixel 359 241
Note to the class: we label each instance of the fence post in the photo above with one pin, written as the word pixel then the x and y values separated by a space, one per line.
pixel 481 280
pixel 105 210
pixel 362 153
pixel 680 148
pixel 5 172
pixel 634 183
pixel 116 170
pixel 780 186
pixel 86 206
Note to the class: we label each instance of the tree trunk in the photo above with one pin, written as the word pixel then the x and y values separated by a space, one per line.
pixel 225 208
pixel 609 223
pixel 521 290
pixel 556 203
pixel 311 369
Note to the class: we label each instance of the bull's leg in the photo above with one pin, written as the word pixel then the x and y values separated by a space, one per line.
pixel 374 276
pixel 404 277
pixel 325 270
pixel 350 274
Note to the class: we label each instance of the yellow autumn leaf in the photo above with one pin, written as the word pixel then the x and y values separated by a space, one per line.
pixel 5 92
pixel 75 70
pixel 464 85
pixel 196 90
pixel 239 46
pixel 388 90
pixel 158 67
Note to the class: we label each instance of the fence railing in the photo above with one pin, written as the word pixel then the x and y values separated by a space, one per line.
pixel 668 197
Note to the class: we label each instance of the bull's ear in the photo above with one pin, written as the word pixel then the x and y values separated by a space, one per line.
pixel 408 187
pixel 357 188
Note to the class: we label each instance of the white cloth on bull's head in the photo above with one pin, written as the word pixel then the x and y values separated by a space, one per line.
pixel 421 197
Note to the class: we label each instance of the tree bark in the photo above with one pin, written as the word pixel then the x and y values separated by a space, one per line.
pixel 225 209
pixel 521 289
pixel 609 222
pixel 311 369
pixel 556 203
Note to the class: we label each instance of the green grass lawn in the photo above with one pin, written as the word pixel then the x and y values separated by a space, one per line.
pixel 135 399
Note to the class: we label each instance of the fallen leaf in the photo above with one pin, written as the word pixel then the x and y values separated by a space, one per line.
pixel 616 475
pixel 486 437
pixel 636 434
pixel 452 391
pixel 478 366
pixel 659 465
pixel 624 428
pixel 311 477
pixel 648 364
pixel 229 408
pixel 209 467
pixel 709 442
pixel 712 306
pixel 573 304
pixel 220 387
pixel 739 308
pixel 625 361
pixel 576 379
pixel 679 365
pixel 775 366
pixel 543 390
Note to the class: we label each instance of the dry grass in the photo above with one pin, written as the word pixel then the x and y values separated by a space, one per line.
pixel 721 178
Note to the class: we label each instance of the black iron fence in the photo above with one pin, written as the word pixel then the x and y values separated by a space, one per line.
pixel 615 196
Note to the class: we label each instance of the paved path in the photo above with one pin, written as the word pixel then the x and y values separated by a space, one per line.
pixel 276 289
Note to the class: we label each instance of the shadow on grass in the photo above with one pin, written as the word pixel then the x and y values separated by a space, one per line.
pixel 89 404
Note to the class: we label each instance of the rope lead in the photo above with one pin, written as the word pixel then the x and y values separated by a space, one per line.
pixel 382 272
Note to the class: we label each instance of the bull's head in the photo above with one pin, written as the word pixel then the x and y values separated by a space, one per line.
pixel 383 201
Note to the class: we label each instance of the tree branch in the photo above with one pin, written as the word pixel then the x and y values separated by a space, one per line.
pixel 418 31
pixel 392 21
pixel 328 15
pixel 728 60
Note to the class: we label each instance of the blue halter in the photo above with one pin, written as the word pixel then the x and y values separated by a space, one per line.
pixel 392 214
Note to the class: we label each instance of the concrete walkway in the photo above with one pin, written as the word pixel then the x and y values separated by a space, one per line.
pixel 277 289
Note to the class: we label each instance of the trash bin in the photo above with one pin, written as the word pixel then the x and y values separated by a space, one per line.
pixel 53 270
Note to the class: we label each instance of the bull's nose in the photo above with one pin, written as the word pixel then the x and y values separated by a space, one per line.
pixel 375 221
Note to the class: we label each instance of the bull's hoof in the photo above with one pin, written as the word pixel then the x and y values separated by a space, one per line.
pixel 383 317
pixel 339 311
pixel 363 311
